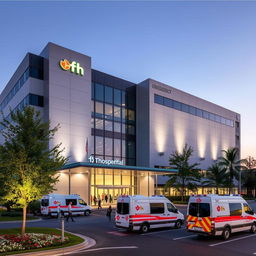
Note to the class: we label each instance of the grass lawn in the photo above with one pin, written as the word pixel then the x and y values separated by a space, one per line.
pixel 8 218
pixel 73 240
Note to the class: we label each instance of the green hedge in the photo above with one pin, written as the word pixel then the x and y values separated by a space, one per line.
pixel 10 214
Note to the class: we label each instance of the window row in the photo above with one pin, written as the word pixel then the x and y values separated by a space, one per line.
pixel 30 99
pixel 192 110
pixel 30 72
pixel 111 112
pixel 111 126
pixel 108 94
pixel 114 147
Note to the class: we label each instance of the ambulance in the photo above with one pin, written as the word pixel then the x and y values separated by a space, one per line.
pixel 53 204
pixel 141 213
pixel 218 215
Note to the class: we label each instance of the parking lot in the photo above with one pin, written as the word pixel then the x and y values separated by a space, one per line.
pixel 114 241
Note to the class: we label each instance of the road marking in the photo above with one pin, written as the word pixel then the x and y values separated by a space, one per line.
pixel 116 233
pixel 183 237
pixel 163 231
pixel 111 248
pixel 229 241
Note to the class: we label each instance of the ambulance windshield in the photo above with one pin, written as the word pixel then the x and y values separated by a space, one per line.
pixel 199 209
pixel 122 208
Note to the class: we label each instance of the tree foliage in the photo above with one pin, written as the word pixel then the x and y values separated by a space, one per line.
pixel 216 177
pixel 27 165
pixel 231 164
pixel 187 174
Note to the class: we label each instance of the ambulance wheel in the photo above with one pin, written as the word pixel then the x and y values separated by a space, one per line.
pixel 87 213
pixel 178 224
pixel 253 228
pixel 144 228
pixel 226 233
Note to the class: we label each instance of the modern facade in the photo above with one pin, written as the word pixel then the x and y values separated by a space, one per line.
pixel 118 135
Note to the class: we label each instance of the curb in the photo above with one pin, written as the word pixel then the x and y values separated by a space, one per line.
pixel 20 221
pixel 89 242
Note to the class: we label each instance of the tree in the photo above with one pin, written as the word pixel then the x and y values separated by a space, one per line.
pixel 249 179
pixel 215 177
pixel 27 165
pixel 230 162
pixel 187 175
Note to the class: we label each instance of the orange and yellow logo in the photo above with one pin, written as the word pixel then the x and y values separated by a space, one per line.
pixel 73 66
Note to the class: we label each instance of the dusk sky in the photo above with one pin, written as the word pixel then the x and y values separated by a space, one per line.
pixel 207 49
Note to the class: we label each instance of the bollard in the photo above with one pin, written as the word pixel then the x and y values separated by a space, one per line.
pixel 62 227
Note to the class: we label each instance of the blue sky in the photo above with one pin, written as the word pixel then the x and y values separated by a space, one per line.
pixel 205 48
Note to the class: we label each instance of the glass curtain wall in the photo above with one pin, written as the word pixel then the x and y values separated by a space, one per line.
pixel 113 124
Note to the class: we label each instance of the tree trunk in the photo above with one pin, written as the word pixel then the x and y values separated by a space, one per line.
pixel 217 190
pixel 23 230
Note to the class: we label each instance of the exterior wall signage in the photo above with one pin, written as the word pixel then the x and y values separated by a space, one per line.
pixel 73 66
pixel 96 160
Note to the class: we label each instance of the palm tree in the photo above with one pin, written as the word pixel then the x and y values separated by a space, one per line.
pixel 215 177
pixel 230 162
pixel 187 175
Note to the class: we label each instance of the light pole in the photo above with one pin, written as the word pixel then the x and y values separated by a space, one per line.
pixel 240 182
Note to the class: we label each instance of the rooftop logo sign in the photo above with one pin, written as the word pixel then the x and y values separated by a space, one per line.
pixel 74 67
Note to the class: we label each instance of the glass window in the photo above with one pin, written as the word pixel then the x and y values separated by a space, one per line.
pixel 123 98
pixel 123 148
pixel 82 202
pixel 126 179
pixel 248 210
pixel 199 112
pixel 108 111
pixel 131 115
pixel 223 121
pixel 123 128
pixel 92 122
pixel 177 105
pixel 99 145
pixel 217 118
pixel 98 124
pixel 108 94
pixel 117 177
pixel 99 109
pixel 156 208
pixel 206 114
pixel 131 129
pixel 184 107
pixel 45 202
pixel 124 114
pixel 158 99
pixel 99 92
pixel 235 209
pixel 108 125
pixel 131 149
pixel 117 97
pixel 74 201
pixel 108 146
pixel 212 117
pixel 168 102
pixel 192 110
pixel 171 207
pixel 117 127
pixel 117 147
pixel 92 90
pixel 122 208
pixel 117 113
pixel 199 209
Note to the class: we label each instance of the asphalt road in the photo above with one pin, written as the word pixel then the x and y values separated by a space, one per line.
pixel 176 242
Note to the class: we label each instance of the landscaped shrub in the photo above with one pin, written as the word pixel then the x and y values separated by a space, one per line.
pixel 28 241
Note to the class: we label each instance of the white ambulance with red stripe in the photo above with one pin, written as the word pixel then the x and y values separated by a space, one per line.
pixel 142 213
pixel 54 204
pixel 219 215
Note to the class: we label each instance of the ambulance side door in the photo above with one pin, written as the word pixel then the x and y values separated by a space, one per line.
pixel 248 215
pixel 172 213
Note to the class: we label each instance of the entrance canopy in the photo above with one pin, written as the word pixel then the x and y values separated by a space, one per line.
pixel 123 167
